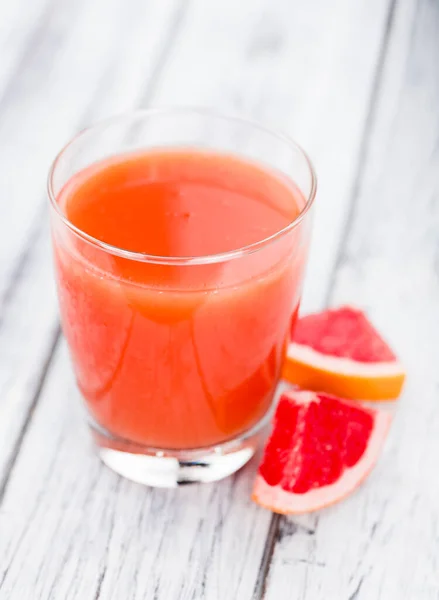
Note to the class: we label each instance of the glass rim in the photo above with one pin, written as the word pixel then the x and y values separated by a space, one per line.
pixel 182 260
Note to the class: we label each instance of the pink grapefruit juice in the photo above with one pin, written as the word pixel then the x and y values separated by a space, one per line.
pixel 174 353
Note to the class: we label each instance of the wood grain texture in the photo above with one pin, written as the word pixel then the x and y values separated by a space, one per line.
pixel 21 25
pixel 382 543
pixel 69 528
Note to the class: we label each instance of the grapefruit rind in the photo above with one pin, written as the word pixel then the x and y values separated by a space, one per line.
pixel 343 366
pixel 312 370
pixel 343 377
pixel 340 352
pixel 278 500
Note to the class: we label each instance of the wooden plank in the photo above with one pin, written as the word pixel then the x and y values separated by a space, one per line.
pixel 233 56
pixel 382 542
pixel 21 25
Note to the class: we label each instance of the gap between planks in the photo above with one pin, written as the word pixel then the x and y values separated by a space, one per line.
pixel 274 533
pixel 365 143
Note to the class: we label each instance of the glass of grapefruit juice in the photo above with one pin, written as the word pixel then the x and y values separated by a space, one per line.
pixel 180 239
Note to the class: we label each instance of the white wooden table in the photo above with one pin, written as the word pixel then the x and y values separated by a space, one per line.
pixel 357 83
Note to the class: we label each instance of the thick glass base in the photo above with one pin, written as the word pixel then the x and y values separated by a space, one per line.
pixel 171 468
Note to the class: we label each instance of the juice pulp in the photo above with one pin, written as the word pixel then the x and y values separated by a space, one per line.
pixel 169 355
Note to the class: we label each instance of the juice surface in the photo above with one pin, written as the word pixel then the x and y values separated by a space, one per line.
pixel 179 203
pixel 178 356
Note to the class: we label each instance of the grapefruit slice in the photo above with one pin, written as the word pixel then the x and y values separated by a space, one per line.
pixel 341 353
pixel 320 450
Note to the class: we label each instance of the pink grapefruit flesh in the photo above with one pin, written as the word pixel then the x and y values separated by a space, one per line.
pixel 320 450
pixel 341 353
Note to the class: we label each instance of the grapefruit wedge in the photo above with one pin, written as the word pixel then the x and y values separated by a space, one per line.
pixel 320 450
pixel 341 353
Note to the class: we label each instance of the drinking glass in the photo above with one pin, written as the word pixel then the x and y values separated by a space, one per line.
pixel 176 358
